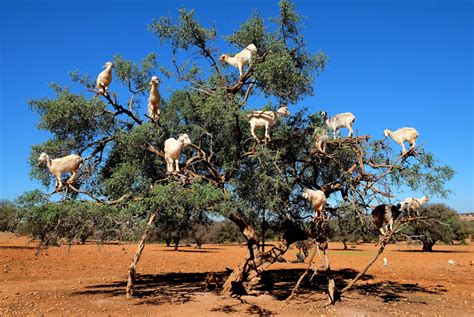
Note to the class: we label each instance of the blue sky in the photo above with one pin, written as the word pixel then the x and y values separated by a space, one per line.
pixel 392 63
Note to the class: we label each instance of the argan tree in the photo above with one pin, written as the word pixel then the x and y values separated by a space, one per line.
pixel 440 223
pixel 225 171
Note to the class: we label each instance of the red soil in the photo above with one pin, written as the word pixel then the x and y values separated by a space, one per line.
pixel 90 280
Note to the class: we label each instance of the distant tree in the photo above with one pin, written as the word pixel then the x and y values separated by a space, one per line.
pixel 225 232
pixel 350 226
pixel 441 223
pixel 8 215
pixel 199 233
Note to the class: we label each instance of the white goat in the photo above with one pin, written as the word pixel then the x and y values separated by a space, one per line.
pixel 105 78
pixel 173 149
pixel 267 119
pixel 58 166
pixel 240 59
pixel 384 215
pixel 413 205
pixel 320 139
pixel 317 200
pixel 341 120
pixel 154 100
pixel 402 135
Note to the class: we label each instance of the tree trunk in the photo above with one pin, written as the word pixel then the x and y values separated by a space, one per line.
pixel 246 277
pixel 234 282
pixel 133 266
pixel 176 243
pixel 168 242
pixel 428 245
pixel 345 244
pixel 263 231
pixel 332 291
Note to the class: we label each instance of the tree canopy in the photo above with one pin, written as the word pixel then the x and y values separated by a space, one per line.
pixel 440 223
pixel 224 172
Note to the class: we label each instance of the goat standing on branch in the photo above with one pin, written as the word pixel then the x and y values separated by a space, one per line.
pixel 105 78
pixel 341 120
pixel 267 119
pixel 317 198
pixel 384 215
pixel 154 100
pixel 173 149
pixel 58 166
pixel 240 59
pixel 413 205
pixel 402 135
pixel 320 139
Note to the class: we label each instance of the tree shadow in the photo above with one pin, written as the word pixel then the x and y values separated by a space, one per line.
pixel 211 248
pixel 190 251
pixel 17 247
pixel 435 251
pixel 157 289
pixel 394 292
pixel 346 250
pixel 257 310
pixel 228 309
pixel 252 309
pixel 178 288
pixel 284 280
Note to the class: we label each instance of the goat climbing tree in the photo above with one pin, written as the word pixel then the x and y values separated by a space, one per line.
pixel 225 171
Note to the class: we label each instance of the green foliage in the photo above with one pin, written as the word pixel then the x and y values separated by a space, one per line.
pixel 180 208
pixel 349 226
pixel 225 232
pixel 467 227
pixel 252 31
pixel 295 70
pixel 136 77
pixel 128 168
pixel 73 121
pixel 441 224
pixel 288 69
pixel 72 118
pixel 183 34
pixel 74 221
pixel 8 215
pixel 425 175
pixel 229 174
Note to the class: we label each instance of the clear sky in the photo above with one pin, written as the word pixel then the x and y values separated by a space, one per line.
pixel 392 63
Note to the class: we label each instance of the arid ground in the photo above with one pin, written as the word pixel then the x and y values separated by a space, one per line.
pixel 90 280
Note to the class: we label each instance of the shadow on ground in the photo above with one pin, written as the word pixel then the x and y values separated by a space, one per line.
pixel 157 289
pixel 189 251
pixel 394 292
pixel 434 251
pixel 15 247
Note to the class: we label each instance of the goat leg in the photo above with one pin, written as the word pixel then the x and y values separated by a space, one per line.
pixel 71 179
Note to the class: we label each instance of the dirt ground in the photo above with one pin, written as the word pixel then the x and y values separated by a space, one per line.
pixel 90 280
